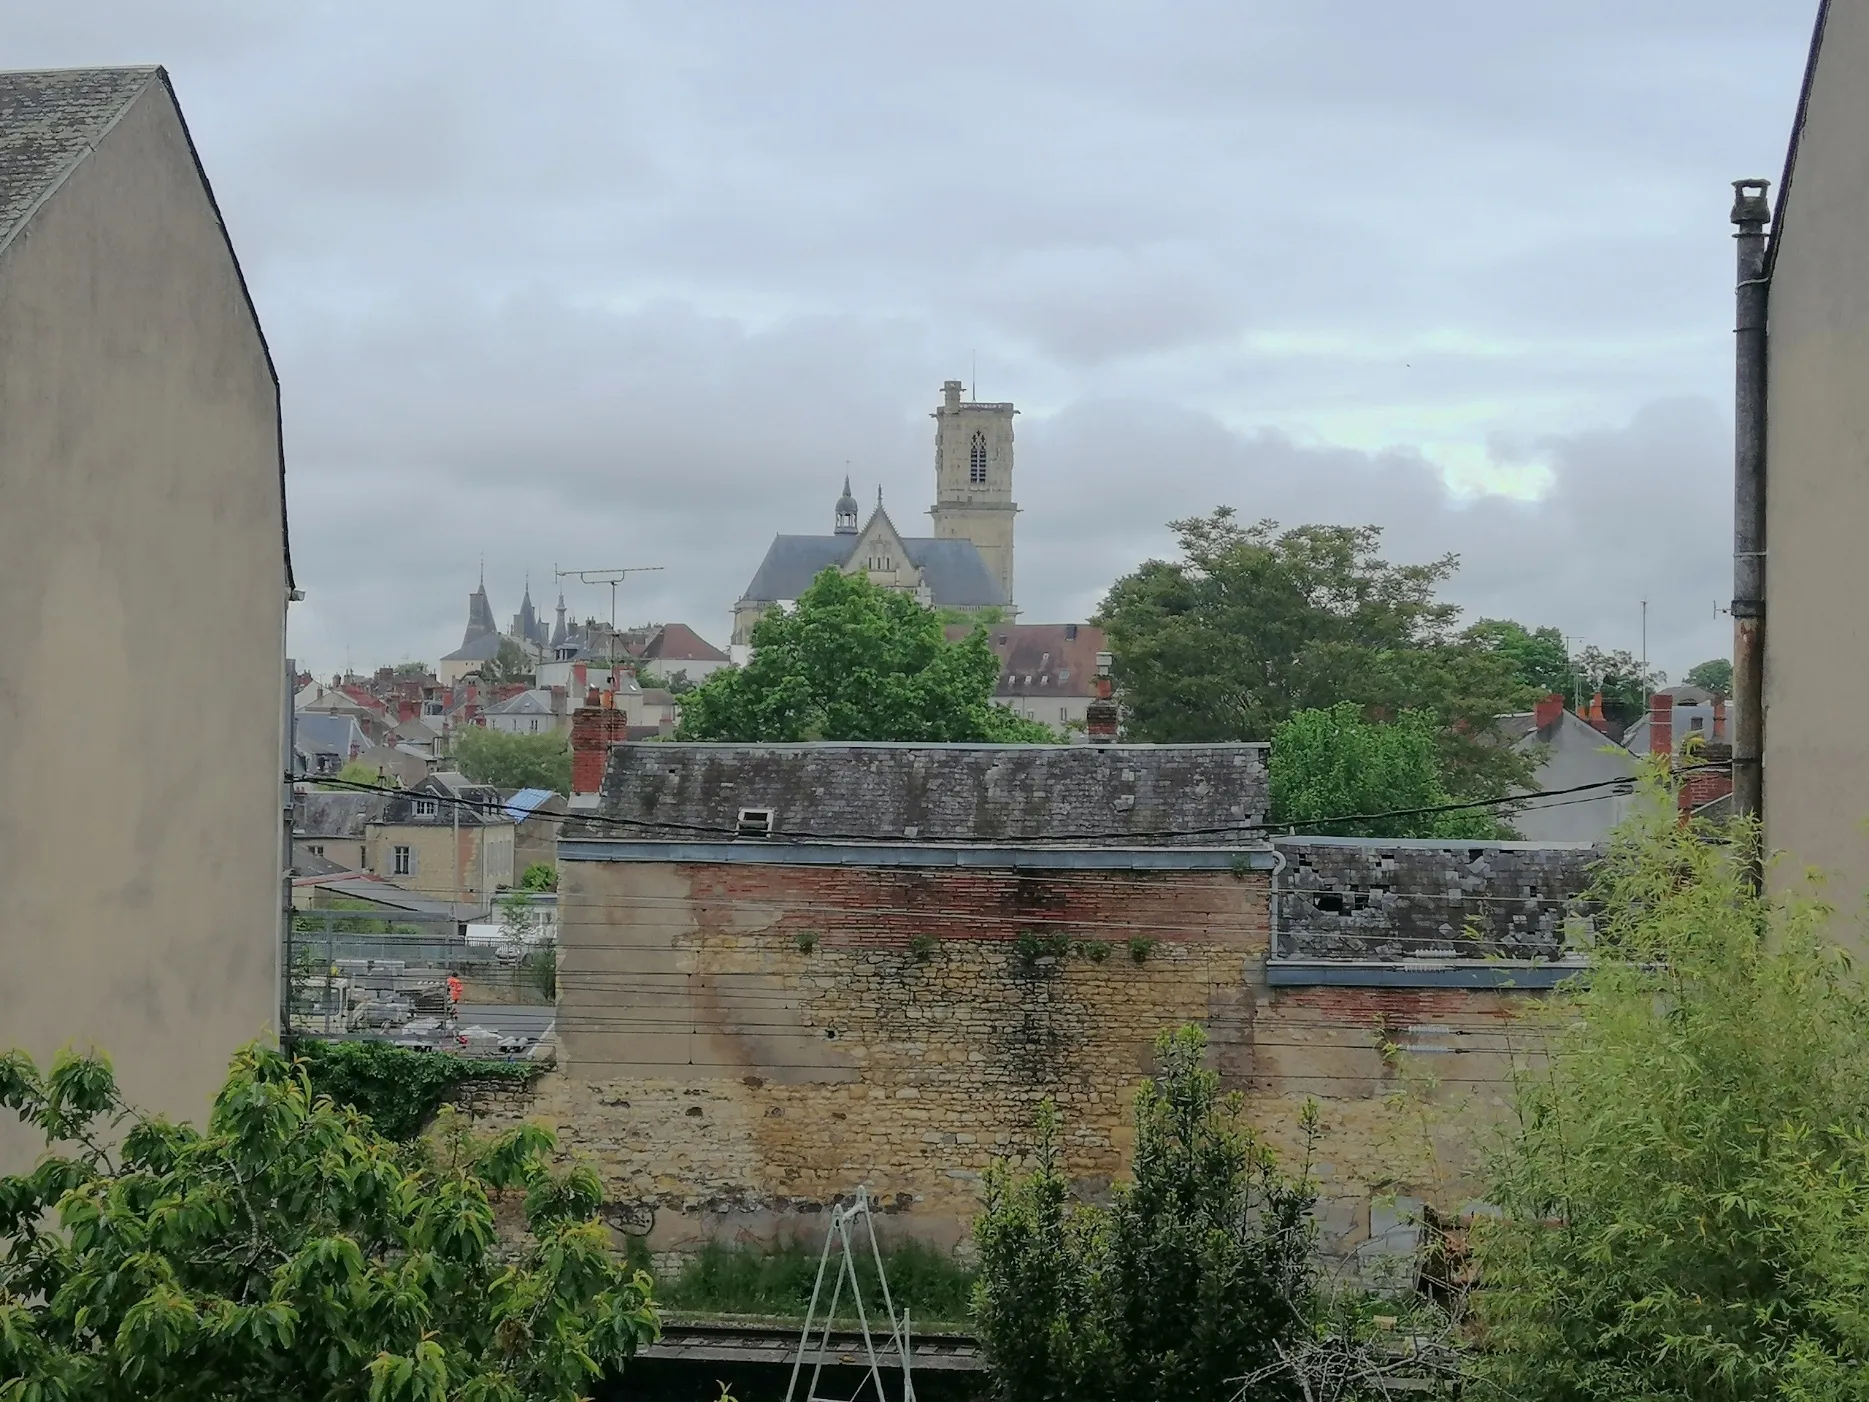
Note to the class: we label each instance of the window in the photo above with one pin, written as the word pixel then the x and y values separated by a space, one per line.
pixel 425 807
pixel 1064 713
pixel 535 725
pixel 754 822
pixel 401 861
pixel 316 849
pixel 976 458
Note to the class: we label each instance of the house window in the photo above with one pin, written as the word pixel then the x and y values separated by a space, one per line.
pixel 425 807
pixel 316 849
pixel 535 725
pixel 401 861
pixel 1064 713
pixel 976 458
pixel 754 822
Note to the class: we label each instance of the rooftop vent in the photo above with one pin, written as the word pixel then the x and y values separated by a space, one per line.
pixel 753 822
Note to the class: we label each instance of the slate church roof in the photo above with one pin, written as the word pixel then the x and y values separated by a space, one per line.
pixel 952 569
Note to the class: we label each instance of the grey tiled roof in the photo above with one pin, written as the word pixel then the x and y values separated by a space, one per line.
pixel 484 648
pixel 952 569
pixel 1120 795
pixel 323 814
pixel 49 121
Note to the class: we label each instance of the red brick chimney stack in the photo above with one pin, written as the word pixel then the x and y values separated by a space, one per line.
pixel 1719 718
pixel 1547 713
pixel 1101 716
pixel 1661 724
pixel 1595 716
pixel 594 729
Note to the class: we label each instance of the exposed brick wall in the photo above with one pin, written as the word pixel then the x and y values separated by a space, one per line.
pixel 742 1044
pixel 1369 899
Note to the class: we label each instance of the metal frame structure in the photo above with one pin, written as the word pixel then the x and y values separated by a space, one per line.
pixel 838 1234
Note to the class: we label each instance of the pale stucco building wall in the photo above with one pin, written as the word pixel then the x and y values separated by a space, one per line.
pixel 141 544
pixel 1817 513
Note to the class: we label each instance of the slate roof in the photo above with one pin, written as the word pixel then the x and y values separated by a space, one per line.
pixel 49 121
pixel 1092 795
pixel 318 732
pixel 484 648
pixel 677 642
pixel 527 703
pixel 322 814
pixel 1042 659
pixel 952 569
pixel 525 802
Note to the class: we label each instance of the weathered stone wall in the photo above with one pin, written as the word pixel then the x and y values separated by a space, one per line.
pixel 741 1044
pixel 1357 898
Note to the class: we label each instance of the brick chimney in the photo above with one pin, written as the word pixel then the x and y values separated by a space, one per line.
pixel 1661 724
pixel 1546 715
pixel 1719 719
pixel 1595 716
pixel 1100 716
pixel 594 729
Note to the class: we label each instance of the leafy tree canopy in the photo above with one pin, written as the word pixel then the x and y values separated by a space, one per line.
pixel 855 661
pixel 1254 624
pixel 1539 658
pixel 510 664
pixel 1337 761
pixel 1685 1197
pixel 414 669
pixel 1715 675
pixel 1625 683
pixel 1194 1276
pixel 287 1250
pixel 514 761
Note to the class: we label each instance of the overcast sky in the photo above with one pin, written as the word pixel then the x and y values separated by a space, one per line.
pixel 623 283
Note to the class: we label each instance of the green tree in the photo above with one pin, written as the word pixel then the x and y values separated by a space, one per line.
pixel 855 661
pixel 1253 624
pixel 512 663
pixel 1193 1277
pixel 1715 675
pixel 1685 1194
pixel 411 670
pixel 540 876
pixel 289 1251
pixel 514 761
pixel 1337 761
pixel 1539 658
pixel 1625 683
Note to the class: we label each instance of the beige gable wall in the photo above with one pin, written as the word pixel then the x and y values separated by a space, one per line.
pixel 1817 590
pixel 140 544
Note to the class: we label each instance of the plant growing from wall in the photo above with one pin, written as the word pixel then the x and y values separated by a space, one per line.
pixel 540 876
pixel 399 1089
pixel 922 947
pixel 1096 951
pixel 286 1250
pixel 1140 948
pixel 1032 948
pixel 806 940
pixel 1196 1275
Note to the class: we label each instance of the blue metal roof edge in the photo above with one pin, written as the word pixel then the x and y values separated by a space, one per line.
pixel 1463 973
pixel 762 852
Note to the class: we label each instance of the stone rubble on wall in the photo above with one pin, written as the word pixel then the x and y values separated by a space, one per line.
pixel 1371 898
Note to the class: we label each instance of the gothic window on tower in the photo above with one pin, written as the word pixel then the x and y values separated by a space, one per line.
pixel 976 460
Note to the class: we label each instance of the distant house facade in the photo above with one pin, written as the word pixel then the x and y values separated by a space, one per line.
pixel 333 827
pixel 540 711
pixel 1047 671
pixel 324 743
pixel 444 838
pixel 143 539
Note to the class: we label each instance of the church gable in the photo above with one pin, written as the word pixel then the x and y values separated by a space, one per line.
pixel 881 553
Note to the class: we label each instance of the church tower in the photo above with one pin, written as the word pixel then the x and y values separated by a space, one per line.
pixel 973 479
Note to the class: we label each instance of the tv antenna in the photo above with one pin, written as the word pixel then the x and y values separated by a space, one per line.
pixel 611 577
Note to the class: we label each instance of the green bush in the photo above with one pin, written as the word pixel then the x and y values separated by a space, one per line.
pixel 286 1250
pixel 1194 1277
pixel 1685 1195
pixel 398 1088
pixel 776 1281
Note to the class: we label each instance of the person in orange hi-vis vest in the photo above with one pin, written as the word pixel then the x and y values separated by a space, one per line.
pixel 454 996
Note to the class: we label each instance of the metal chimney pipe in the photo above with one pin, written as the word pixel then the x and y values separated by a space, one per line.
pixel 1751 213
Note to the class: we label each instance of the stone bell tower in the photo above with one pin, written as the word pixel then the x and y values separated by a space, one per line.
pixel 973 479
